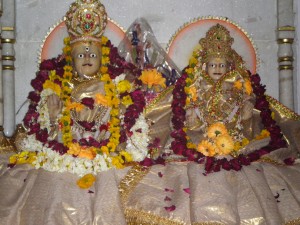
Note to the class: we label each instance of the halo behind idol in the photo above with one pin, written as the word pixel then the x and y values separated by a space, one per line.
pixel 186 39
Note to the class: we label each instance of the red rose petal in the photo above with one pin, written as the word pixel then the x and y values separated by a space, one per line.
pixel 167 199
pixel 187 190
pixel 160 174
pixel 170 208
pixel 169 190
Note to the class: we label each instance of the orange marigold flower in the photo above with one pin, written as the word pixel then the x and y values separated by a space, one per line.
pixel 263 134
pixel 225 144
pixel 86 181
pixel 248 87
pixel 152 77
pixel 89 153
pixel 101 100
pixel 216 130
pixel 74 149
pixel 74 105
pixel 238 84
pixel 103 69
pixel 206 148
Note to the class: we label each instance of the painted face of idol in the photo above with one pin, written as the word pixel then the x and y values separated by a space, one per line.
pixel 216 68
pixel 86 59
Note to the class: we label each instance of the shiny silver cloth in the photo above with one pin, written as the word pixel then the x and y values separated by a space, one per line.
pixel 38 197
pixel 262 193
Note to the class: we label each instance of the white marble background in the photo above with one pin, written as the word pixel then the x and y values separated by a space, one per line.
pixel 35 17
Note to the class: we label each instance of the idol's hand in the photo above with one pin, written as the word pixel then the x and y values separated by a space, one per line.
pixel 247 110
pixel 54 107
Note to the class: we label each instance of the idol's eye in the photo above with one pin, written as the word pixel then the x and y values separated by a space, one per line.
pixel 222 65
pixel 93 55
pixel 212 65
pixel 81 56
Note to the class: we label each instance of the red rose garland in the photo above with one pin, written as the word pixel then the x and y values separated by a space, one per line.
pixel 116 67
pixel 179 144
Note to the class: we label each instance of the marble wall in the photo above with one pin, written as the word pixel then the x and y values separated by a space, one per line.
pixel 35 17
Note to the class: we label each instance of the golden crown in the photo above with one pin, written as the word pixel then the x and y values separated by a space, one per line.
pixel 217 43
pixel 86 20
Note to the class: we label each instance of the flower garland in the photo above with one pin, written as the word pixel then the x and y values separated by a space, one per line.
pixel 180 145
pixel 87 155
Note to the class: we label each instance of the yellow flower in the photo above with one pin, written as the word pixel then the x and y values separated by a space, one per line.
pixel 74 105
pixel 152 77
pixel 193 61
pixel 206 148
pixel 115 102
pixel 105 50
pixel 248 87
pixel 117 161
pixel 263 134
pixel 216 130
pixel 103 69
pixel 192 93
pixel 123 86
pixel 105 78
pixel 67 50
pixel 241 144
pixel 189 70
pixel 54 87
pixel 126 100
pixel 68 68
pixel 101 100
pixel 225 144
pixel 86 181
pixel 104 150
pixel 22 158
pixel 238 84
pixel 67 40
pixel 126 155
pixel 191 145
pixel 111 146
pixel 104 40
pixel 104 60
pixel 114 112
pixel 273 115
pixel 68 59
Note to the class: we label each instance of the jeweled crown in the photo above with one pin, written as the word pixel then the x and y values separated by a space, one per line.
pixel 217 43
pixel 86 20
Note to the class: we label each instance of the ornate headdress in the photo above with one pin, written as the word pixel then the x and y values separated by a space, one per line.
pixel 217 43
pixel 86 20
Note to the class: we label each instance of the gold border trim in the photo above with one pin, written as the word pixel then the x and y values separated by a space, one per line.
pixel 8 67
pixel 139 217
pixel 293 222
pixel 8 40
pixel 8 28
pixel 55 25
pixel 8 57
pixel 286 59
pixel 286 67
pixel 283 110
pixel 285 40
pixel 286 28
pixel 215 18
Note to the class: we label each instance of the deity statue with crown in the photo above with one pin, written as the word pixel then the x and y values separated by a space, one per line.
pixel 74 119
pixel 230 153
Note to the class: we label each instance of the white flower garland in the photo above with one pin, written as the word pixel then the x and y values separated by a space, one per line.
pixel 50 160
pixel 42 108
pixel 137 143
